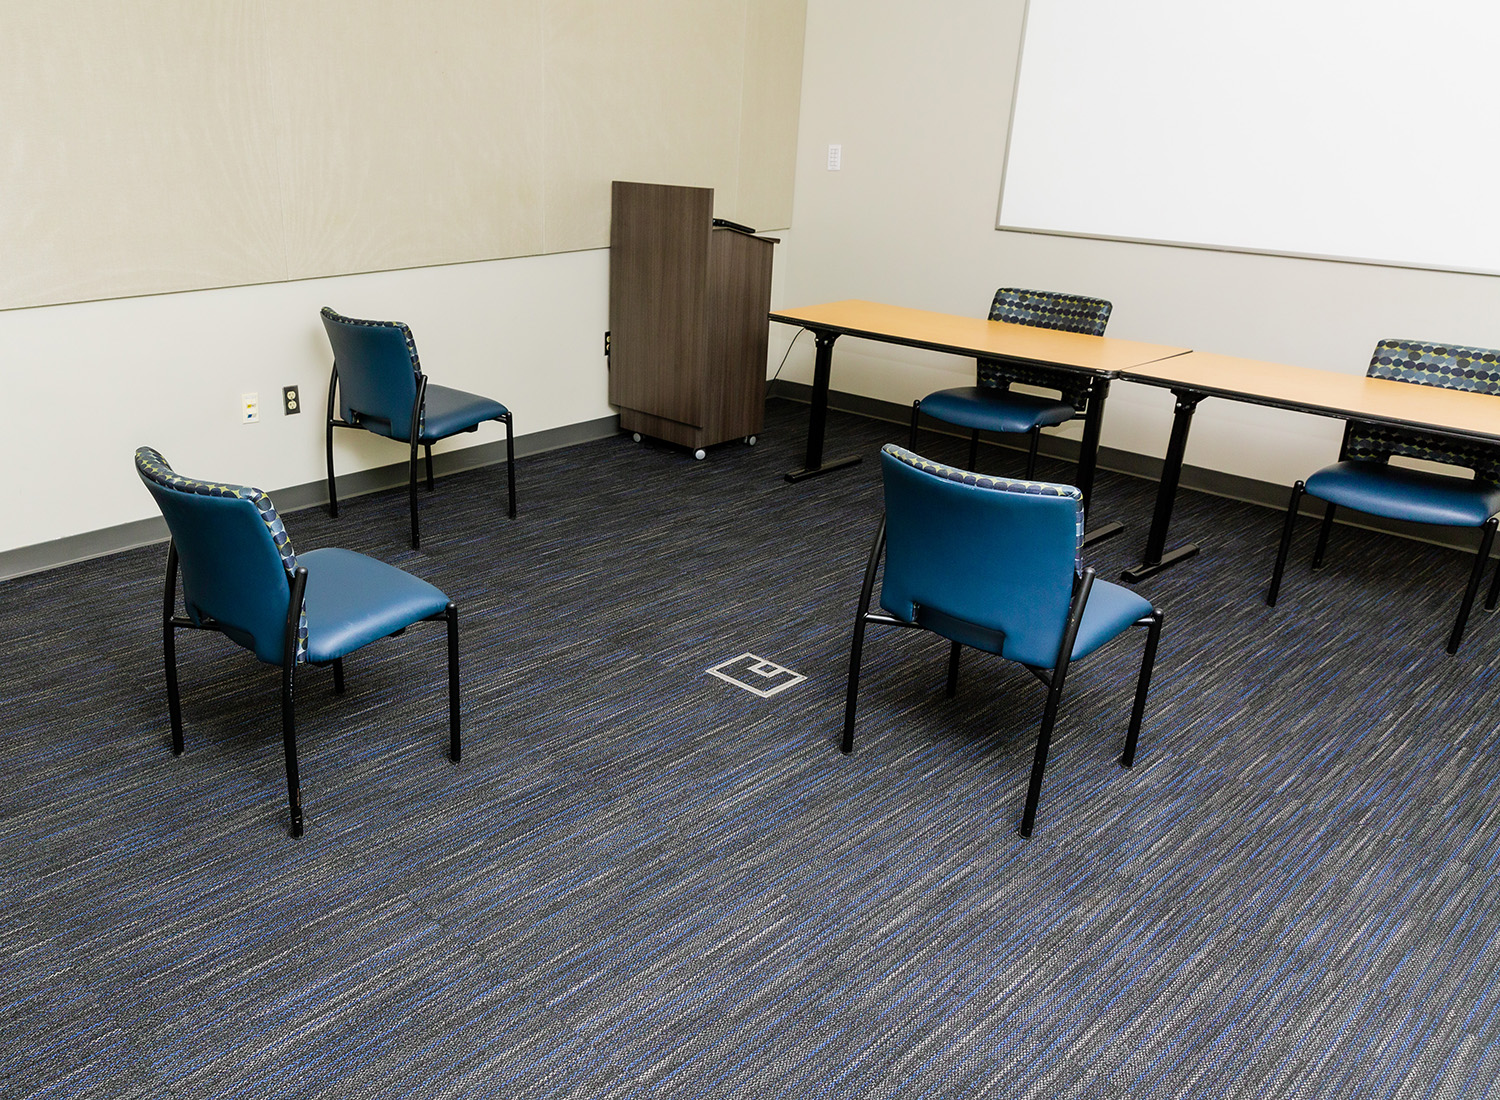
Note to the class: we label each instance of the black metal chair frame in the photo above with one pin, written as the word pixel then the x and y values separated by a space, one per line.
pixel 1476 574
pixel 1052 679
pixel 334 421
pixel 172 622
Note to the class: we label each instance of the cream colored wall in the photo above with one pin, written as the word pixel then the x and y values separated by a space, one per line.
pixel 918 95
pixel 161 145
pixel 155 144
pixel 88 383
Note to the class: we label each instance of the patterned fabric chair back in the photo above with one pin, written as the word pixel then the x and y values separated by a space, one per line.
pixel 1043 309
pixel 1450 366
pixel 236 558
pixel 378 372
pixel 990 561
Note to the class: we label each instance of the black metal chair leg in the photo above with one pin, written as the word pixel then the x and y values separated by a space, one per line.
pixel 916 414
pixel 411 492
pixel 1481 559
pixel 954 649
pixel 856 647
pixel 174 700
pixel 1286 542
pixel 414 434
pixel 288 689
pixel 1036 439
pixel 427 447
pixel 169 648
pixel 338 676
pixel 974 449
pixel 1142 686
pixel 1323 533
pixel 1059 675
pixel 510 461
pixel 453 703
pixel 1039 759
pixel 289 744
pixel 1493 598
pixel 333 497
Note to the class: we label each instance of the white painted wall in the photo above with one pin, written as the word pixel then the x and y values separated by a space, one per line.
pixel 86 384
pixel 918 95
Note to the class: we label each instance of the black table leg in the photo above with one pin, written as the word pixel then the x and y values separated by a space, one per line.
pixel 1088 459
pixel 813 464
pixel 1166 495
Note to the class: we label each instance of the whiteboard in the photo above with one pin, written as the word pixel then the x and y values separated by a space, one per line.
pixel 1363 130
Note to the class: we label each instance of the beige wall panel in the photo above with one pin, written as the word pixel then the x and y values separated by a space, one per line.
pixel 646 91
pixel 136 154
pixel 412 131
pixel 768 117
pixel 166 145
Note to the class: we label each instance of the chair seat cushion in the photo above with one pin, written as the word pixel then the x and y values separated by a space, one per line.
pixel 994 410
pixel 450 411
pixel 1111 609
pixel 1399 493
pixel 352 600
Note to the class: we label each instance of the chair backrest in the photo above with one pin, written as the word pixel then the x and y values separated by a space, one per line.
pixel 1449 366
pixel 1043 309
pixel 378 372
pixel 234 553
pixel 987 561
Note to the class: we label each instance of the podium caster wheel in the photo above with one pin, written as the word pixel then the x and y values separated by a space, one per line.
pixel 635 437
pixel 700 454
pixel 749 441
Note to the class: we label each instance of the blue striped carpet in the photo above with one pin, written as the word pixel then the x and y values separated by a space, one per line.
pixel 642 881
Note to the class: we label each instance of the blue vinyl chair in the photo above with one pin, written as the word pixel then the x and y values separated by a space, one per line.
pixel 378 385
pixel 1364 479
pixel 991 406
pixel 996 565
pixel 241 578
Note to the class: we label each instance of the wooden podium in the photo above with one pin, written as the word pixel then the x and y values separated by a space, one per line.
pixel 689 306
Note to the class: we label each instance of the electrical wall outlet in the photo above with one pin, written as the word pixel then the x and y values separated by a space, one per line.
pixel 606 343
pixel 249 408
pixel 290 402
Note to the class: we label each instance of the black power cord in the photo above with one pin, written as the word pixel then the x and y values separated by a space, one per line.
pixel 781 364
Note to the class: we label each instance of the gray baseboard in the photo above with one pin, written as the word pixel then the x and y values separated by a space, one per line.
pixel 1214 482
pixel 42 556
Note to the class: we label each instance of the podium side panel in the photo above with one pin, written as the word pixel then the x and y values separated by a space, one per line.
pixel 738 333
pixel 658 285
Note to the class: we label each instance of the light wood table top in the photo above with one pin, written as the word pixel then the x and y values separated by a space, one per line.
pixel 920 328
pixel 1307 389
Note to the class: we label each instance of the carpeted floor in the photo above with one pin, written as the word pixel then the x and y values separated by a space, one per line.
pixel 644 881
